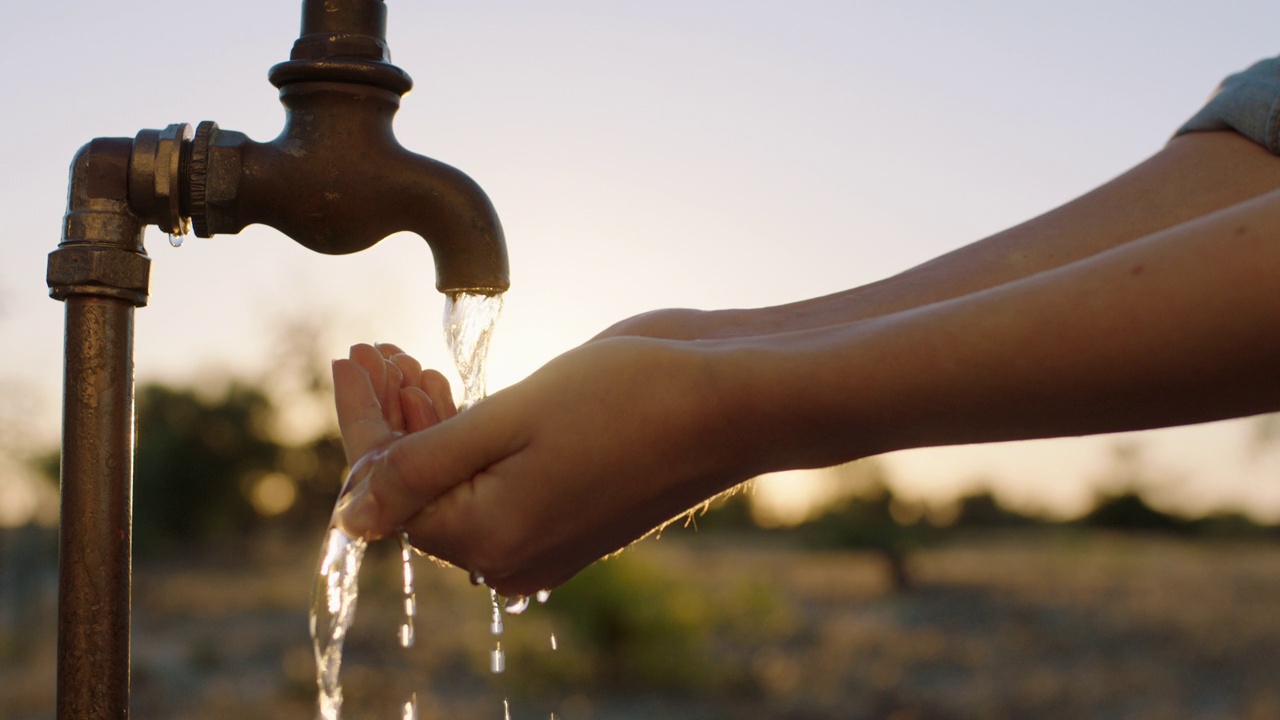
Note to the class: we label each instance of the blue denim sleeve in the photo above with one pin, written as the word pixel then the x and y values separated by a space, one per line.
pixel 1247 102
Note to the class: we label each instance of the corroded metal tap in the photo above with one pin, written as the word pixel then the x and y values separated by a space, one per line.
pixel 336 180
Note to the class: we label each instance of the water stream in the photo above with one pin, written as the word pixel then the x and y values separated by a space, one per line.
pixel 469 320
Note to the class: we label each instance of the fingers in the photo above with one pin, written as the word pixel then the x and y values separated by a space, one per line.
pixel 436 386
pixel 410 368
pixel 389 350
pixel 432 383
pixel 360 417
pixel 385 385
pixel 409 474
pixel 419 413
pixel 381 393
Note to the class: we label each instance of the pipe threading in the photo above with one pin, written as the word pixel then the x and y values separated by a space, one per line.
pixel 183 188
pixel 197 178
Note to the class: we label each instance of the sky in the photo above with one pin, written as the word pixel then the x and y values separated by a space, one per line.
pixel 640 155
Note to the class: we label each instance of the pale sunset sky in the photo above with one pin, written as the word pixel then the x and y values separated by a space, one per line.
pixel 704 154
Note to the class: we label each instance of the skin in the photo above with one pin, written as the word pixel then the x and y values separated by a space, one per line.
pixel 1149 302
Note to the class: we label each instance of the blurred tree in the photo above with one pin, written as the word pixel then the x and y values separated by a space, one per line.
pixel 984 510
pixel 211 469
pixel 1129 511
pixel 1124 504
pixel 645 625
pixel 194 463
pixel 211 466
pixel 870 517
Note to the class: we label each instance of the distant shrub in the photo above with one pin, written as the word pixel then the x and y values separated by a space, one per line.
pixel 1130 511
pixel 644 626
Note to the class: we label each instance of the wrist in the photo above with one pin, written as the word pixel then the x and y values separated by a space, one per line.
pixel 790 400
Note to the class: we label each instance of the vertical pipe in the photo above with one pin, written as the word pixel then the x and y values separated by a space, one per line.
pixel 94 540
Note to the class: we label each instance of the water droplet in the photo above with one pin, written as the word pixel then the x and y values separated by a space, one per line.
pixel 410 598
pixel 411 708
pixel 543 596
pixel 495 621
pixel 553 642
pixel 175 239
pixel 476 578
pixel 517 605
pixel 497 660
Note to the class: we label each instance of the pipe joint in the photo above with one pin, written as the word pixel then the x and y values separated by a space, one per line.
pixel 101 252
pixel 157 173
pixel 99 271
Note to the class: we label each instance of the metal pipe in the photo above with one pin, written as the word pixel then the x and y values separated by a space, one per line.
pixel 94 537
pixel 102 274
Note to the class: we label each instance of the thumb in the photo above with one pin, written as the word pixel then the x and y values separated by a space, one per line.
pixel 393 483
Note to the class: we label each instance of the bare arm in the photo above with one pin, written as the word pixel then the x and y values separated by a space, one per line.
pixel 612 439
pixel 1180 327
pixel 1193 175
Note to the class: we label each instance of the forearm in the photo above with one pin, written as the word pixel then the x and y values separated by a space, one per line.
pixel 1179 327
pixel 1192 176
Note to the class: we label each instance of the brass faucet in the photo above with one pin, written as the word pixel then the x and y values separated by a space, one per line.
pixel 336 180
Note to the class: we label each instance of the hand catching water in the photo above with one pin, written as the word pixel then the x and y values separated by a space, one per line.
pixel 588 454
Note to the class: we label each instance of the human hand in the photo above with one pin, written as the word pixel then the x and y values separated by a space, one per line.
pixel 529 486
pixel 401 397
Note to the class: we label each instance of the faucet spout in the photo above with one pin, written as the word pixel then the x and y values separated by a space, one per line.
pixel 336 179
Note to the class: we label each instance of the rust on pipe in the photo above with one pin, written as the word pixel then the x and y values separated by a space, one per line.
pixel 95 533
pixel 101 273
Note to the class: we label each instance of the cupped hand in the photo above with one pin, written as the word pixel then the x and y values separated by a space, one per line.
pixel 529 486
pixel 382 393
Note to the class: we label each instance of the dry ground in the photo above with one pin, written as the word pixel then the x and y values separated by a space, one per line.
pixel 1015 625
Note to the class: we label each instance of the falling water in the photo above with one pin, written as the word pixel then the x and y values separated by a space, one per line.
pixel 410 599
pixel 468 323
pixel 333 607
pixel 469 320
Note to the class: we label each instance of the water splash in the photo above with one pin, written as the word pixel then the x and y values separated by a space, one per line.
pixel 333 608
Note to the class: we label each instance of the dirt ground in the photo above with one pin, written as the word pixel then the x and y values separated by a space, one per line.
pixel 1029 624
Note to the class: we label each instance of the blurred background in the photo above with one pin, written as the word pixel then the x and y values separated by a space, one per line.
pixel 709 155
